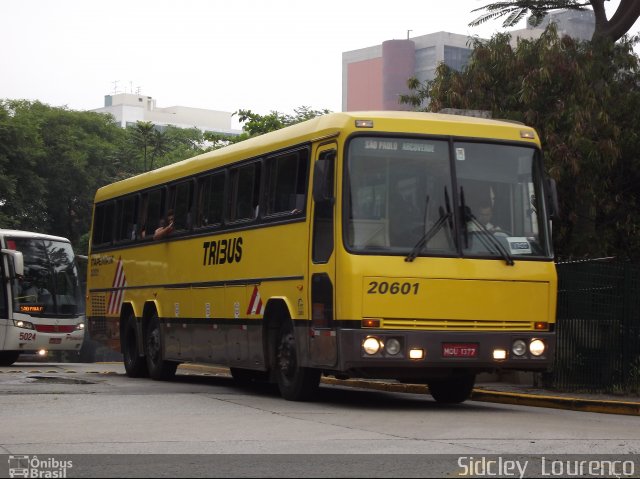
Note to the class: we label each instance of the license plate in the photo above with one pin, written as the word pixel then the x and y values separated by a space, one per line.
pixel 55 340
pixel 459 350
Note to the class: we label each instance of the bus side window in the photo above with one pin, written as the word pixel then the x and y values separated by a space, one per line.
pixel 103 224
pixel 210 200
pixel 127 211
pixel 155 210
pixel 180 201
pixel 286 183
pixel 245 189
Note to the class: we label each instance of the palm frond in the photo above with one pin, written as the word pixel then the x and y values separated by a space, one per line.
pixel 514 17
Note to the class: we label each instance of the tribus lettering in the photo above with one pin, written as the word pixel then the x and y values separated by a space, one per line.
pixel 222 251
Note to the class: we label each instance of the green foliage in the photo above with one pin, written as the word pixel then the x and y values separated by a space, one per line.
pixel 255 124
pixel 583 98
pixel 52 161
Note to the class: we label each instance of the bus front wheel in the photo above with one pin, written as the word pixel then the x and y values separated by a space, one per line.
pixel 134 364
pixel 157 366
pixel 294 382
pixel 452 390
pixel 7 358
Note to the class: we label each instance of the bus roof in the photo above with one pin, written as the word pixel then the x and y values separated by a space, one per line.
pixel 325 126
pixel 31 235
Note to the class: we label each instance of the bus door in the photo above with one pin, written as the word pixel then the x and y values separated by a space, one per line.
pixel 322 270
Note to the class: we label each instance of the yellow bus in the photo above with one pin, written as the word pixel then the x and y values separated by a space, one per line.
pixel 393 245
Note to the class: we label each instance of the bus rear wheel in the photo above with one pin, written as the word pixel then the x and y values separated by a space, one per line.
pixel 452 390
pixel 294 382
pixel 134 364
pixel 7 358
pixel 157 366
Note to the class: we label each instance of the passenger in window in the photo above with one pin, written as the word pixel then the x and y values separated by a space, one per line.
pixel 166 227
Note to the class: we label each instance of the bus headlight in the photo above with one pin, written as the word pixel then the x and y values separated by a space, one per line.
pixel 537 347
pixel 23 324
pixel 371 345
pixel 519 347
pixel 80 327
pixel 392 346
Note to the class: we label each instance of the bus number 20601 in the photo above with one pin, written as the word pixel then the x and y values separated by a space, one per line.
pixel 382 287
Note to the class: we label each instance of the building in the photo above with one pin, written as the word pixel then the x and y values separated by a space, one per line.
pixel 373 78
pixel 129 108
pixel 578 24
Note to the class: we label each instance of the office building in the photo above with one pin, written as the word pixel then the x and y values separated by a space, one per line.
pixel 373 78
pixel 129 108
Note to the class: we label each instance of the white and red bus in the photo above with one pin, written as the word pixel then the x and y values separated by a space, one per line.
pixel 41 301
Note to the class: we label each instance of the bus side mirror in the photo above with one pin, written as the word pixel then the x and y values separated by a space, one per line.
pixel 323 178
pixel 18 261
pixel 552 198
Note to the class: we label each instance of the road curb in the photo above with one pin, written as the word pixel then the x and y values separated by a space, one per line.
pixel 557 402
pixel 478 394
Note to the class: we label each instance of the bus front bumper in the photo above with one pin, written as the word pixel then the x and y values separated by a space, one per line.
pixel 50 337
pixel 397 354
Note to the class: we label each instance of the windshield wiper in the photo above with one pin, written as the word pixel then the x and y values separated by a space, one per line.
pixel 486 235
pixel 422 242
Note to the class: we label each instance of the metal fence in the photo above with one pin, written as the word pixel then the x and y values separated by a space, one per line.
pixel 598 324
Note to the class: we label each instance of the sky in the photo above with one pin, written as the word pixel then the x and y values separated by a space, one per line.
pixel 261 55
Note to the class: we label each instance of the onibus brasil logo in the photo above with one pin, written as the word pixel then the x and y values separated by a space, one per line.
pixel 32 466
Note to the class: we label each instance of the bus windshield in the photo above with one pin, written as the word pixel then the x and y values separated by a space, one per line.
pixel 50 284
pixel 406 196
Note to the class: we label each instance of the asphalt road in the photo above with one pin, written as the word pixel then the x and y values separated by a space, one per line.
pixel 203 424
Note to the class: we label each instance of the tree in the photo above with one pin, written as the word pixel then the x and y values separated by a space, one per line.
pixel 160 146
pixel 586 113
pixel 610 30
pixel 255 124
pixel 57 158
pixel 183 143
pixel 143 138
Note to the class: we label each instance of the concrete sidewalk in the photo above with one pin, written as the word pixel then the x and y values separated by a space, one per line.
pixel 486 391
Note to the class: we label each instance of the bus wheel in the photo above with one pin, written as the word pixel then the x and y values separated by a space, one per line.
pixel 7 358
pixel 452 390
pixel 295 383
pixel 134 364
pixel 157 366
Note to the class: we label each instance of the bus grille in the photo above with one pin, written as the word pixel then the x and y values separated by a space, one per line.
pixel 98 304
pixel 457 324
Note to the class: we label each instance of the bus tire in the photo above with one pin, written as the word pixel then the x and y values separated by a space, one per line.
pixel 452 390
pixel 158 368
pixel 134 364
pixel 294 382
pixel 7 358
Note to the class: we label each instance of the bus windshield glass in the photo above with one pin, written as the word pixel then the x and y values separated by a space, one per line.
pixel 401 199
pixel 50 284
